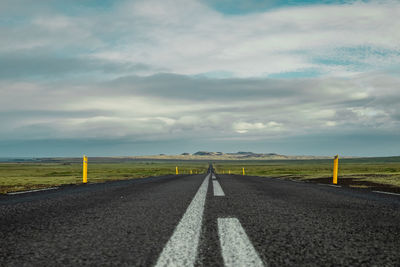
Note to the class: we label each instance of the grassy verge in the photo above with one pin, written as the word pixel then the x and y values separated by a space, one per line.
pixel 359 173
pixel 27 176
pixel 378 170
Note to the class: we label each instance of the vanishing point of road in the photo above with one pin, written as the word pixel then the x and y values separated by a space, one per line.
pixel 200 220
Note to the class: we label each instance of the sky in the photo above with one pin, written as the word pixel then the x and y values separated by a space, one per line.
pixel 140 77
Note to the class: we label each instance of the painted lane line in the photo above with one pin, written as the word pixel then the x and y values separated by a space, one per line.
pixel 330 185
pixel 388 193
pixel 181 248
pixel 333 185
pixel 213 177
pixel 218 192
pixel 236 247
pixel 31 191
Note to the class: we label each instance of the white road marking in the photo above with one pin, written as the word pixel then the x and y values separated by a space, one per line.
pixel 213 177
pixel 388 193
pixel 181 249
pixel 31 191
pixel 218 189
pixel 237 249
pixel 331 185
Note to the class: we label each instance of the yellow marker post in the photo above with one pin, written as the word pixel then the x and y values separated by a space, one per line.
pixel 223 171
pixel 191 172
pixel 176 170
pixel 335 169
pixel 243 171
pixel 85 162
pixel 229 171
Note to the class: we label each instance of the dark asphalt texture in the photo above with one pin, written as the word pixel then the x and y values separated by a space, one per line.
pixel 113 224
pixel 127 223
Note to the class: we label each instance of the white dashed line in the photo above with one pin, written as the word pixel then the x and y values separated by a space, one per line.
pixel 388 193
pixel 213 177
pixel 218 189
pixel 237 249
pixel 31 191
pixel 181 249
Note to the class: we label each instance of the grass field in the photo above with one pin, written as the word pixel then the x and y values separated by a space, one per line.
pixel 26 176
pixel 356 172
pixel 374 170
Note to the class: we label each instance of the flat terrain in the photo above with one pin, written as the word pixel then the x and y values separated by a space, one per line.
pixel 36 175
pixel 205 220
pixel 368 173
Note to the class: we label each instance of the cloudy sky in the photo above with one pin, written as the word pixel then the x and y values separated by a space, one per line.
pixel 132 77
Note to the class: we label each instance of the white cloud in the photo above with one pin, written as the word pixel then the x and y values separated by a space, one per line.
pixel 331 123
pixel 188 37
pixel 244 127
pixel 195 39
pixel 165 108
pixel 355 46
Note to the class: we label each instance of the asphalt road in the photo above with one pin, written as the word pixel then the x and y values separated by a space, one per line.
pixel 202 221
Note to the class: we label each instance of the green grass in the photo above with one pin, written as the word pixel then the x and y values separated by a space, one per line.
pixel 26 176
pixel 372 170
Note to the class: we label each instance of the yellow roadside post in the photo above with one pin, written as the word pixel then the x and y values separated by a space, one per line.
pixel 243 171
pixel 223 171
pixel 191 172
pixel 335 168
pixel 85 162
pixel 176 170
pixel 229 171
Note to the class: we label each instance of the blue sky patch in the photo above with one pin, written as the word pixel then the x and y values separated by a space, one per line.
pixel 360 58
pixel 309 73
pixel 240 7
pixel 75 7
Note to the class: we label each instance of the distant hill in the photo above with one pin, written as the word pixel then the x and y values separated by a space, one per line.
pixel 241 155
pixel 201 155
pixel 206 153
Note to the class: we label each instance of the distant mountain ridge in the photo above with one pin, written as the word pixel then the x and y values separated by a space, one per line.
pixel 200 155
pixel 240 155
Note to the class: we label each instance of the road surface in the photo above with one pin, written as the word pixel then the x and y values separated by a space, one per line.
pixel 200 220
